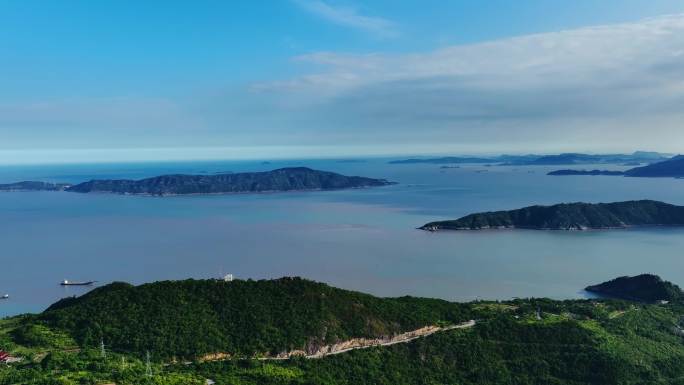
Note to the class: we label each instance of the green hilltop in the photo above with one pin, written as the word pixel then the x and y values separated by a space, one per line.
pixel 523 341
pixel 244 318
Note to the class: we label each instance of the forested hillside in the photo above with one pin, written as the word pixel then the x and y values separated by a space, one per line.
pixel 524 341
pixel 570 216
pixel 245 318
pixel 283 179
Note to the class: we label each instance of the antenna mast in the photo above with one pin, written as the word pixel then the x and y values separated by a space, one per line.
pixel 148 367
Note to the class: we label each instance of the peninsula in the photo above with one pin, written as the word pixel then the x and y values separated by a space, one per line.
pixel 671 168
pixel 644 288
pixel 284 179
pixel 570 216
pixel 33 186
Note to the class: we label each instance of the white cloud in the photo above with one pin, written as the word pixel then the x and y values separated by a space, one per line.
pixel 533 60
pixel 614 87
pixel 349 17
pixel 610 82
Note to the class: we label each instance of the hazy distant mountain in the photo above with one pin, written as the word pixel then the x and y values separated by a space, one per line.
pixel 284 179
pixel 571 216
pixel 546 160
pixel 650 155
pixel 571 158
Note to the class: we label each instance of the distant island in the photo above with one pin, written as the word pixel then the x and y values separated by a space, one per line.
pixel 570 216
pixel 33 186
pixel 672 168
pixel 586 172
pixel 284 179
pixel 351 161
pixel 445 160
pixel 573 158
pixel 637 157
pixel 669 168
pixel 644 287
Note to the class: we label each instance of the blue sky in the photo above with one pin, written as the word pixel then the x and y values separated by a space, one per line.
pixel 86 80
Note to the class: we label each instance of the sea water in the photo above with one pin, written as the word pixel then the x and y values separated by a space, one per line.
pixel 361 239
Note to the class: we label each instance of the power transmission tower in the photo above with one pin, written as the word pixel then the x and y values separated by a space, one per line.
pixel 148 367
pixel 103 352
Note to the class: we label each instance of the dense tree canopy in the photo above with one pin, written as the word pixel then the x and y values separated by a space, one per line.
pixel 525 341
pixel 193 317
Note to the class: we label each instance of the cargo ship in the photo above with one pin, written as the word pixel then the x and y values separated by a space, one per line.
pixel 69 283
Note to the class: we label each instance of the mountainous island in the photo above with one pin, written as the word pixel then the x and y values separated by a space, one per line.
pixel 284 179
pixel 292 331
pixel 637 157
pixel 644 287
pixel 586 172
pixel 570 216
pixel 672 168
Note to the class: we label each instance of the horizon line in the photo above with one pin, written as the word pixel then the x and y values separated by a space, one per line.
pixel 257 153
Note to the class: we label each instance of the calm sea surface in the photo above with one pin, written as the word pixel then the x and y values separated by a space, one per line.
pixel 356 239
